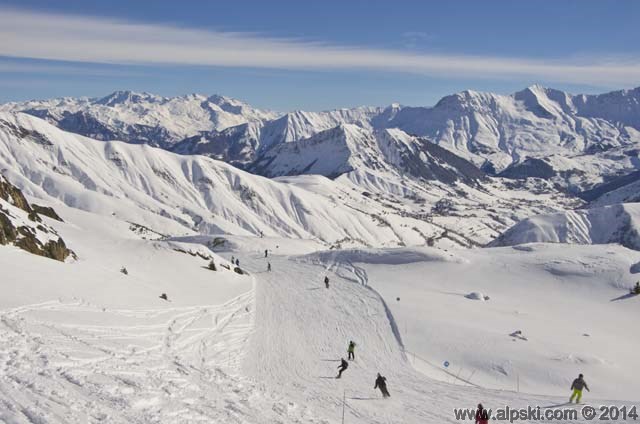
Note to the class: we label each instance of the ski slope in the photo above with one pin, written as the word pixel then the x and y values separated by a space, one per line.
pixel 81 342
pixel 570 304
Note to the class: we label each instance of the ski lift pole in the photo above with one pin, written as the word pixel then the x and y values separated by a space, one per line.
pixel 344 400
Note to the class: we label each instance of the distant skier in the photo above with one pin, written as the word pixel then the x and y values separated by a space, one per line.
pixel 233 260
pixel 343 366
pixel 326 282
pixel 268 266
pixel 266 253
pixel 636 289
pixel 482 415
pixel 237 262
pixel 577 386
pixel 163 296
pixel 351 350
pixel 381 383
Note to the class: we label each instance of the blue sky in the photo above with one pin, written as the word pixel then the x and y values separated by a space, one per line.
pixel 316 55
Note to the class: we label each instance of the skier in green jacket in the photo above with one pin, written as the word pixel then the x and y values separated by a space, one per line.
pixel 351 350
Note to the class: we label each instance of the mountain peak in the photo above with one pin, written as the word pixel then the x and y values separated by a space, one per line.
pixel 220 100
pixel 125 97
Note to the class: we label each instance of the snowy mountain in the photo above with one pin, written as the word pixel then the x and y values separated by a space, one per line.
pixel 576 141
pixel 243 144
pixel 177 194
pixel 618 224
pixel 347 148
pixel 142 117
pixel 582 137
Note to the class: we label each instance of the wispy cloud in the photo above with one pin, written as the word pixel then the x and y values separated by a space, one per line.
pixel 38 67
pixel 28 34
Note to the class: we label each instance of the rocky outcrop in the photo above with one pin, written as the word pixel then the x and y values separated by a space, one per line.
pixel 13 195
pixel 46 211
pixel 21 226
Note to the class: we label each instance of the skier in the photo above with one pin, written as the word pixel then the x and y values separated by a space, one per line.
pixel 482 416
pixel 577 386
pixel 233 260
pixel 238 262
pixel 326 281
pixel 636 289
pixel 266 253
pixel 351 350
pixel 343 366
pixel 381 383
pixel 268 266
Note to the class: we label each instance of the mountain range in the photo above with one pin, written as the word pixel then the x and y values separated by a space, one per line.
pixel 576 141
pixel 398 191
pixel 460 172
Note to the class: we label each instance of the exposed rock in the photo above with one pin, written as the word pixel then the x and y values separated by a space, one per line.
pixel 13 195
pixel 46 211
pixel 8 232
pixel 26 236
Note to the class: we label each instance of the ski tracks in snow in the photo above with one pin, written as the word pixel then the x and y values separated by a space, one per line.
pixel 74 362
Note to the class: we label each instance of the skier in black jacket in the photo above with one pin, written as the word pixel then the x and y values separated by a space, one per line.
pixel 343 366
pixel 381 383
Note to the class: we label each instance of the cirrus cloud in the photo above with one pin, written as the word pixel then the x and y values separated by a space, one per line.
pixel 37 35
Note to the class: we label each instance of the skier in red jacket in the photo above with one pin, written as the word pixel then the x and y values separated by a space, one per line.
pixel 482 415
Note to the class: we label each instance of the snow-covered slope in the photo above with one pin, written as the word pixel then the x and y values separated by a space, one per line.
pixel 538 291
pixel 174 194
pixel 177 194
pixel 618 223
pixel 82 342
pixel 142 117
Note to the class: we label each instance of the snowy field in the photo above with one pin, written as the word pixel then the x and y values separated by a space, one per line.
pixel 80 342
